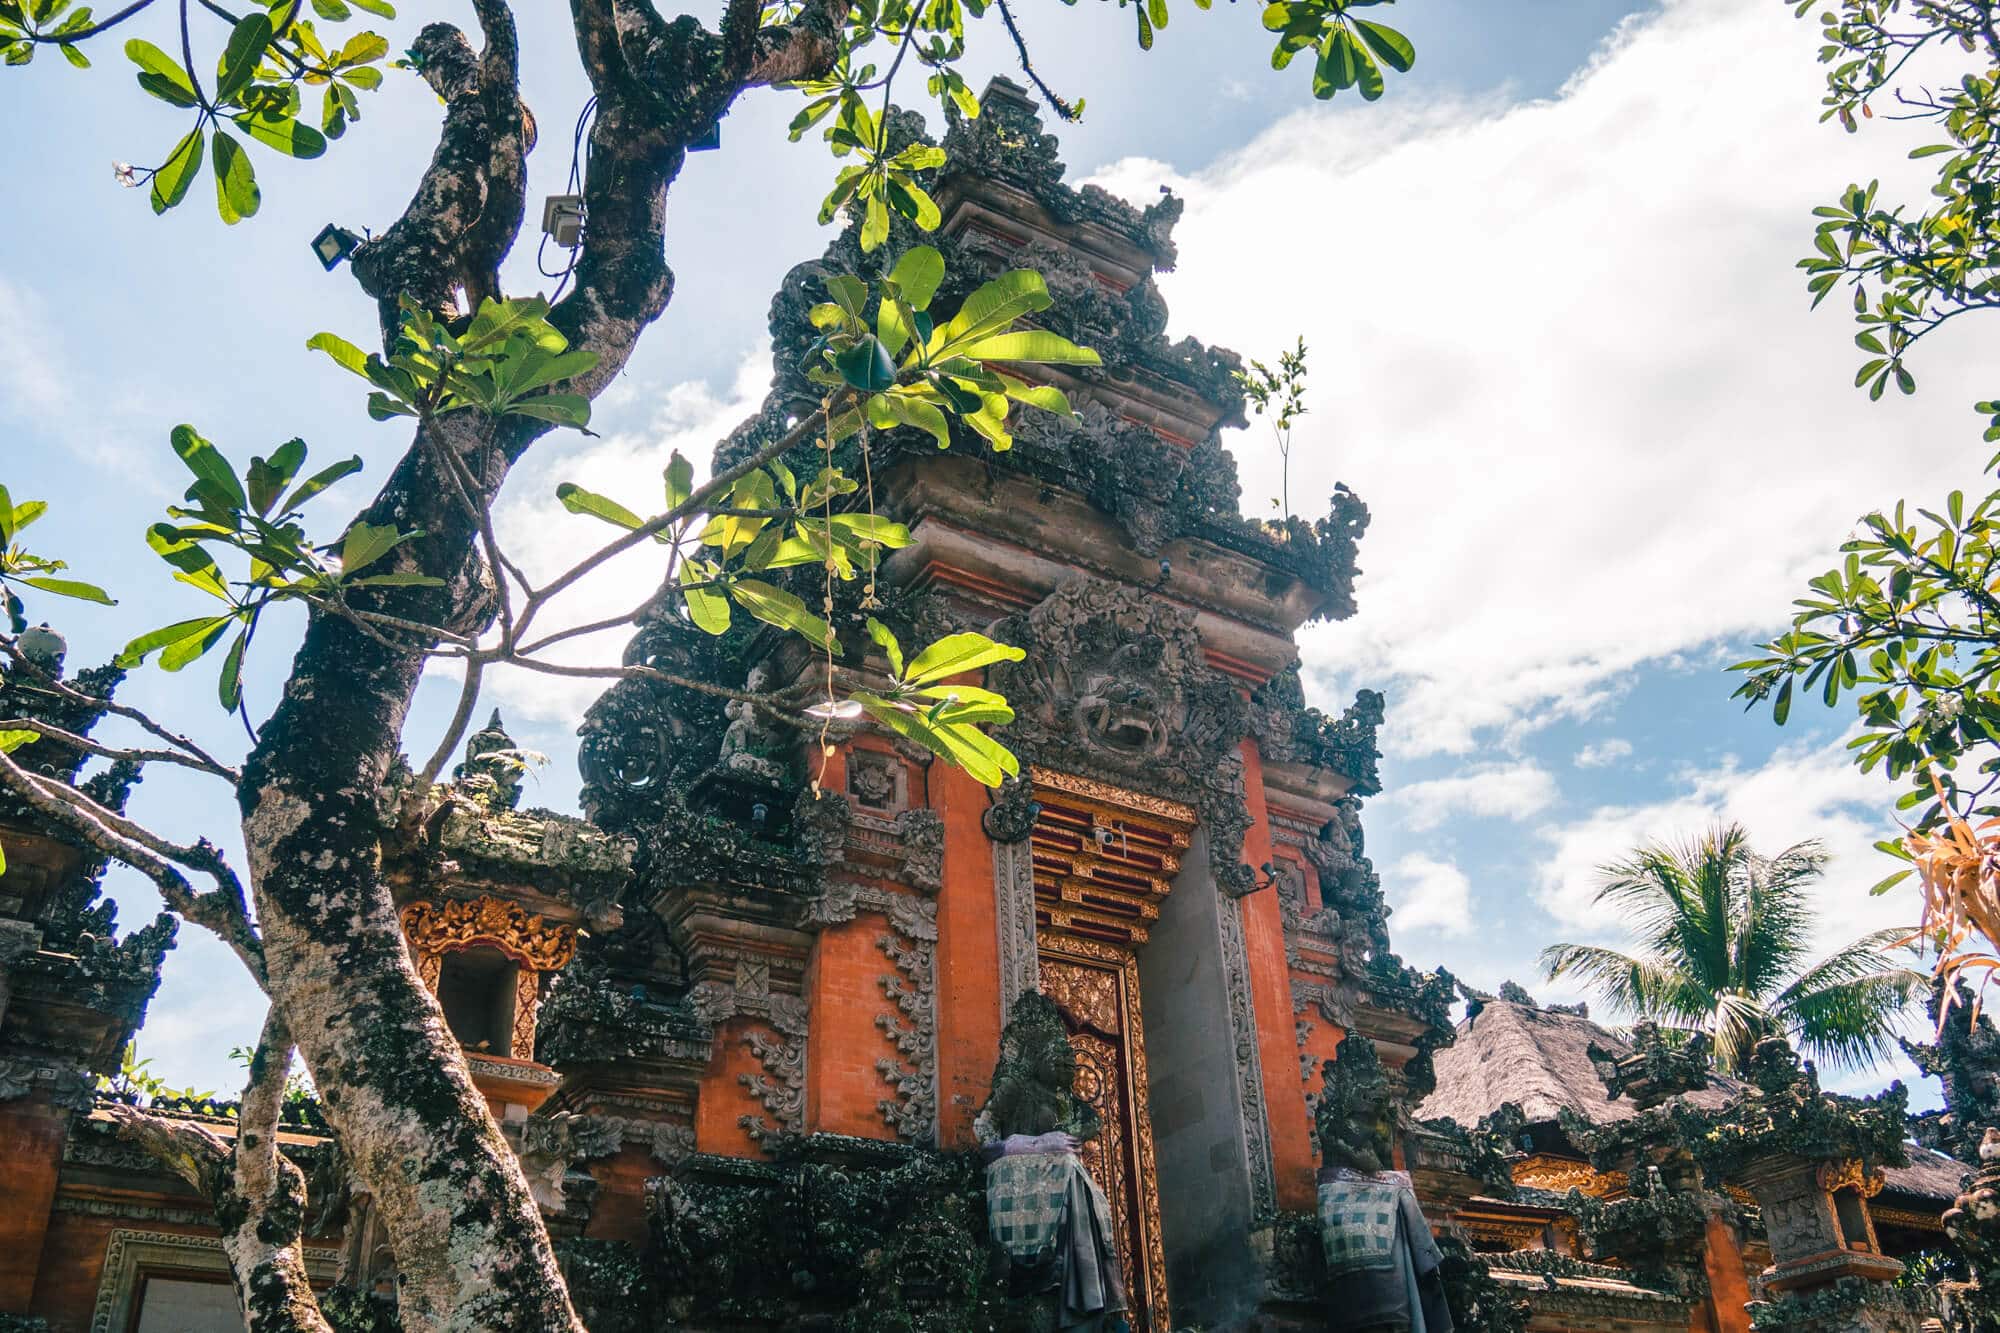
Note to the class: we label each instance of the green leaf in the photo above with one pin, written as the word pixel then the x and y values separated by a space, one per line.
pixel 775 606
pixel 168 81
pixel 887 642
pixel 917 275
pixel 680 481
pixel 236 193
pixel 229 685
pixel 82 592
pixel 240 58
pixel 872 528
pixel 1883 886
pixel 365 543
pixel 171 181
pixel 319 481
pixel 1389 46
pixel 564 409
pixel 1035 345
pixel 13 739
pixel 993 307
pixel 379 8
pixel 207 464
pixel 955 653
pixel 136 651
pixel 866 365
pixel 579 501
pixel 282 132
pixel 707 607
pixel 344 353
pixel 178 654
pixel 268 478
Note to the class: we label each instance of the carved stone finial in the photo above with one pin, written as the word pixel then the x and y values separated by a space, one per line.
pixel 491 773
pixel 1655 1068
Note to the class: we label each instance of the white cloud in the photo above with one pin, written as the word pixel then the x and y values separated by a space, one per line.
pixel 1604 753
pixel 545 539
pixel 1802 791
pixel 1430 894
pixel 32 383
pixel 1562 350
pixel 1509 791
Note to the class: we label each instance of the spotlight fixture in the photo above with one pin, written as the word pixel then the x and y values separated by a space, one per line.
pixel 562 219
pixel 333 244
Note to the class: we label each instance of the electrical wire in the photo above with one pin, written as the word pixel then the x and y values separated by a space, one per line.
pixel 579 159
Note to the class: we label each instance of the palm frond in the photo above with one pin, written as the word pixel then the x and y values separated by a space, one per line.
pixel 1737 1023
pixel 1853 1024
pixel 1639 986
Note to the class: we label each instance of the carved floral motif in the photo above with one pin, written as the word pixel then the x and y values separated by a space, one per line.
pixel 531 940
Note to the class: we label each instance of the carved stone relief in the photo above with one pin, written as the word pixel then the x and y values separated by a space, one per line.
pixel 1014 901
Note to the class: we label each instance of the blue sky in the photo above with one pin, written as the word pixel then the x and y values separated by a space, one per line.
pixel 1558 346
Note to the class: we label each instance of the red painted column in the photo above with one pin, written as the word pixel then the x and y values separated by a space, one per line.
pixel 1271 1000
pixel 33 1132
pixel 968 956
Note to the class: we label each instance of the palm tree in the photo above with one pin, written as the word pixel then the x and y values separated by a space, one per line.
pixel 1724 943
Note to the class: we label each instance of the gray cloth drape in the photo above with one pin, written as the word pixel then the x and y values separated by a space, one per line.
pixel 1382 1262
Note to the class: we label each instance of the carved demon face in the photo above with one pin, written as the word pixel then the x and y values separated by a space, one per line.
pixel 1127 704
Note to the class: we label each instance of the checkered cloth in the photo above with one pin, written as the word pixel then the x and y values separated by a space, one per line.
pixel 1358 1222
pixel 1027 1195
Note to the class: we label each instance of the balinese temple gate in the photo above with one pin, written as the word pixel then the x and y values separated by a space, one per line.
pixel 1179 864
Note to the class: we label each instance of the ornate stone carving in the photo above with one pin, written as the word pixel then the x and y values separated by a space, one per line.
pixel 128 1252
pixel 1010 815
pixel 1034 1081
pixel 531 940
pixel 1654 1070
pixel 1249 1060
pixel 1115 687
pixel 67 1085
pixel 782 1085
pixel 878 783
pixel 491 773
pixel 1014 908
pixel 911 1109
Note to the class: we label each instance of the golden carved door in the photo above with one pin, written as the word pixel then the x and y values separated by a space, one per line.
pixel 1097 988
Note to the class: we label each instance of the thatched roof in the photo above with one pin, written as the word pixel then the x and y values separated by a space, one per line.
pixel 1539 1060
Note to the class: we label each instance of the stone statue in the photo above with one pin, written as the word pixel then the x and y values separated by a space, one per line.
pixel 1357 1119
pixel 1033 1082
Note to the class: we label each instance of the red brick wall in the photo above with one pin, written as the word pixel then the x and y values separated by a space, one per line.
pixel 968 957
pixel 1271 996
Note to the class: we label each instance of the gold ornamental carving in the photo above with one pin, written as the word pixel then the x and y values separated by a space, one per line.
pixel 1092 979
pixel 1158 806
pixel 1851 1174
pixel 1560 1175
pixel 1089 994
pixel 443 927
pixel 1505 1233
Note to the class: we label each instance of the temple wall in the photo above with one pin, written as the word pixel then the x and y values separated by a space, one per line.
pixel 843 986
pixel 1728 1287
pixel 968 957
pixel 33 1132
pixel 1198 1140
pixel 724 1100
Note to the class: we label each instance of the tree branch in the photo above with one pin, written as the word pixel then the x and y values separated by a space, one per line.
pixel 221 910
pixel 89 746
pixel 20 664
pixel 259 1196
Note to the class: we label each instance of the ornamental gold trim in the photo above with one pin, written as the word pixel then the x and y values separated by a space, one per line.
pixel 1062 947
pixel 454 923
pixel 1089 789
pixel 1851 1174
pixel 1560 1175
